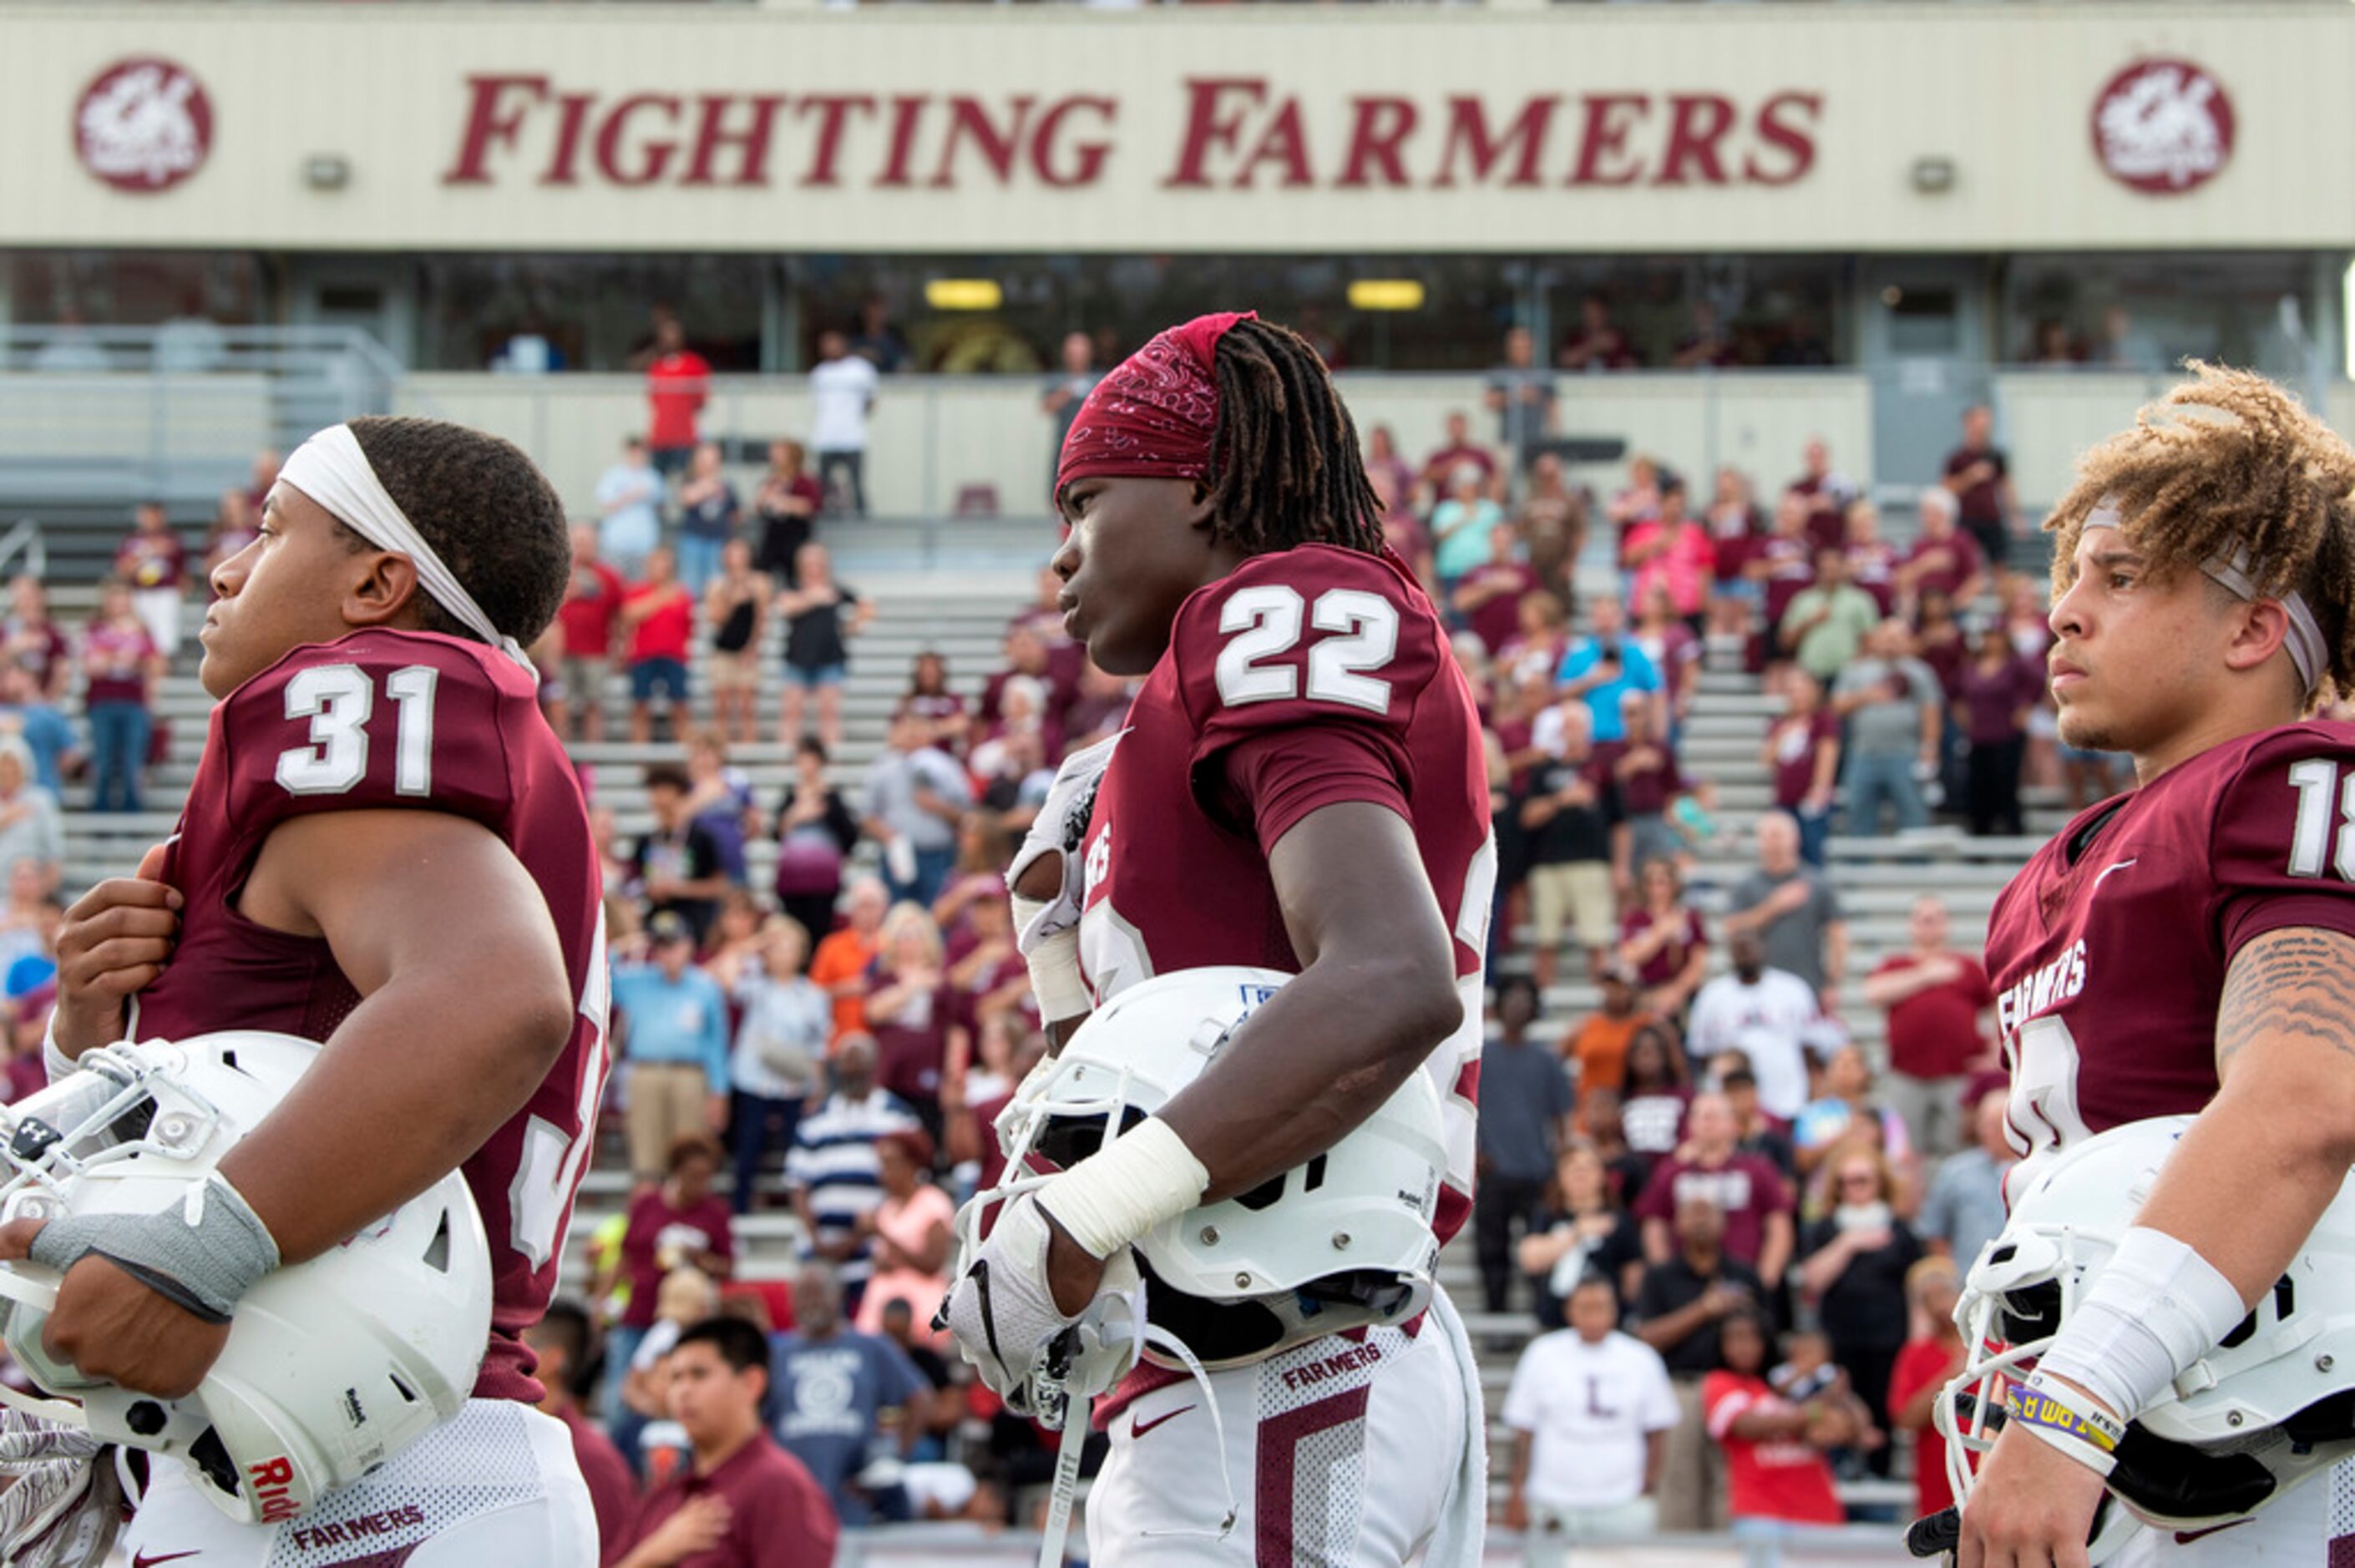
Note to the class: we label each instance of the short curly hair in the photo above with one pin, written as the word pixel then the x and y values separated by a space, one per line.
pixel 485 509
pixel 2225 462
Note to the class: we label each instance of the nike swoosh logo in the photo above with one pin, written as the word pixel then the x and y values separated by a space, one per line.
pixel 1138 1427
pixel 144 1561
pixel 989 1317
pixel 2186 1537
pixel 2107 869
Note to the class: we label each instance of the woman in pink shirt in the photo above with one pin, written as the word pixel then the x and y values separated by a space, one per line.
pixel 911 1228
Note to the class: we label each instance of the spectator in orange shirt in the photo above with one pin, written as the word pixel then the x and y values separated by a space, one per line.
pixel 839 966
pixel 1598 1045
pixel 678 380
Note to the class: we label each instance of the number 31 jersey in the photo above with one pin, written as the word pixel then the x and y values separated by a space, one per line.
pixel 416 721
pixel 2108 951
pixel 1305 678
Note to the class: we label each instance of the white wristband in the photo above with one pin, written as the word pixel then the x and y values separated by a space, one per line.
pixel 54 1062
pixel 1055 978
pixel 1142 1177
pixel 2155 1310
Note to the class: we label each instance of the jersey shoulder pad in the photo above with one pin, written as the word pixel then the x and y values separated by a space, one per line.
pixel 2274 816
pixel 376 719
pixel 1309 634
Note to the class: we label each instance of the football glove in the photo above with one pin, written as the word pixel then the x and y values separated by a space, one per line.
pixel 1031 1354
pixel 62 1502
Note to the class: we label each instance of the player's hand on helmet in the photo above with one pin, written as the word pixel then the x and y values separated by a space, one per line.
pixel 113 943
pixel 1003 1309
pixel 108 1325
pixel 2031 1506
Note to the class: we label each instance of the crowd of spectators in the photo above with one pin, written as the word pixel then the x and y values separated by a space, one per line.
pixel 1733 1228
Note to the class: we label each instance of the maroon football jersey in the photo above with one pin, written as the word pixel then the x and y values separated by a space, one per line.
pixel 1339 653
pixel 2108 951
pixel 385 719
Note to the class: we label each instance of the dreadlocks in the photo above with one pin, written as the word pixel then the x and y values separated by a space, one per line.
pixel 1285 465
pixel 2227 464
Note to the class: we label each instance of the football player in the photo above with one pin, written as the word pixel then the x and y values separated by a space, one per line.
pixel 385 850
pixel 2189 946
pixel 1300 788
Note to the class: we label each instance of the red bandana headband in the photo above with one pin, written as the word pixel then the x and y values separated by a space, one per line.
pixel 1154 415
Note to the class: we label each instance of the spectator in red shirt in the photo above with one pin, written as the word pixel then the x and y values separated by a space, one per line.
pixel 156 564
pixel 1776 1474
pixel 1931 1356
pixel 1488 597
pixel 1979 476
pixel 592 605
pixel 561 1341
pixel 1802 750
pixel 741 1501
pixel 1598 344
pixel 659 614
pixel 677 382
pixel 1940 559
pixel 1746 1188
pixel 1938 1001
pixel 1827 494
pixel 1440 467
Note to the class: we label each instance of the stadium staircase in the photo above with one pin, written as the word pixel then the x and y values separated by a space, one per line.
pixel 962 613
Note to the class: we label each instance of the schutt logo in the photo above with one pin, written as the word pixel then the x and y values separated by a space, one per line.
pixel 2163 126
pixel 144 126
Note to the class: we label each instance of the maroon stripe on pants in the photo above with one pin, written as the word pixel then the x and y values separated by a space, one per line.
pixel 1280 1438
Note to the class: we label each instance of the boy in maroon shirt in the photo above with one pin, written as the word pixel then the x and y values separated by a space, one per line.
pixel 741 1501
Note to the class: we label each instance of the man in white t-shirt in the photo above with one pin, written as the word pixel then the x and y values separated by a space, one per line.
pixel 1769 1015
pixel 842 394
pixel 1591 1409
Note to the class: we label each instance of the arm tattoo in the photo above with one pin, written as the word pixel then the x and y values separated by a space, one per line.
pixel 2297 983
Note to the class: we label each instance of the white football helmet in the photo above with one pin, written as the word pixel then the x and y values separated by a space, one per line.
pixel 1340 1242
pixel 331 1365
pixel 2272 1405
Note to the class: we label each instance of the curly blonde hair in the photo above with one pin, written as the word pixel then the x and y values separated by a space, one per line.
pixel 2223 463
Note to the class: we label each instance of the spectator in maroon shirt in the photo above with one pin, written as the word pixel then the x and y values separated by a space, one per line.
pixel 1828 495
pixel 561 1341
pixel 1597 344
pixel 592 605
pixel 233 528
pixel 1735 527
pixel 1383 457
pixel 928 698
pixel 1783 564
pixel 1707 345
pixel 1993 695
pixel 911 1012
pixel 121 666
pixel 1488 597
pixel 1663 938
pixel 1979 476
pixel 1644 767
pixel 741 1501
pixel 1709 1166
pixel 1942 557
pixel 1802 750
pixel 1439 468
pixel 1551 518
pixel 155 564
pixel 1938 1001
pixel 679 381
pixel 1871 559
pixel 787 507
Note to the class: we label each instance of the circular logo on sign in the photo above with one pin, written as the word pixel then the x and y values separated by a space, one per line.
pixel 144 125
pixel 2163 126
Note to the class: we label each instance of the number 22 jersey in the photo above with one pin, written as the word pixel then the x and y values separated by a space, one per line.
pixel 409 720
pixel 2108 951
pixel 1305 678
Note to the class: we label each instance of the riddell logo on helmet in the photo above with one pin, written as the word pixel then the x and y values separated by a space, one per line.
pixel 271 1481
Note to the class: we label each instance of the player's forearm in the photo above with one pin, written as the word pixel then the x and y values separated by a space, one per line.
pixel 378 1109
pixel 1316 1059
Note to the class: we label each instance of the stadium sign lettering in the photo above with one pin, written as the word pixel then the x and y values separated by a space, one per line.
pixel 1235 134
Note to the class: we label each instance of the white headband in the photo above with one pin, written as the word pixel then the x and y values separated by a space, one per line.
pixel 331 469
pixel 2303 642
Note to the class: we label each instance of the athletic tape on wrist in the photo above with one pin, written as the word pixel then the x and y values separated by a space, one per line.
pixel 1138 1180
pixel 1055 978
pixel 2150 1315
pixel 203 1253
